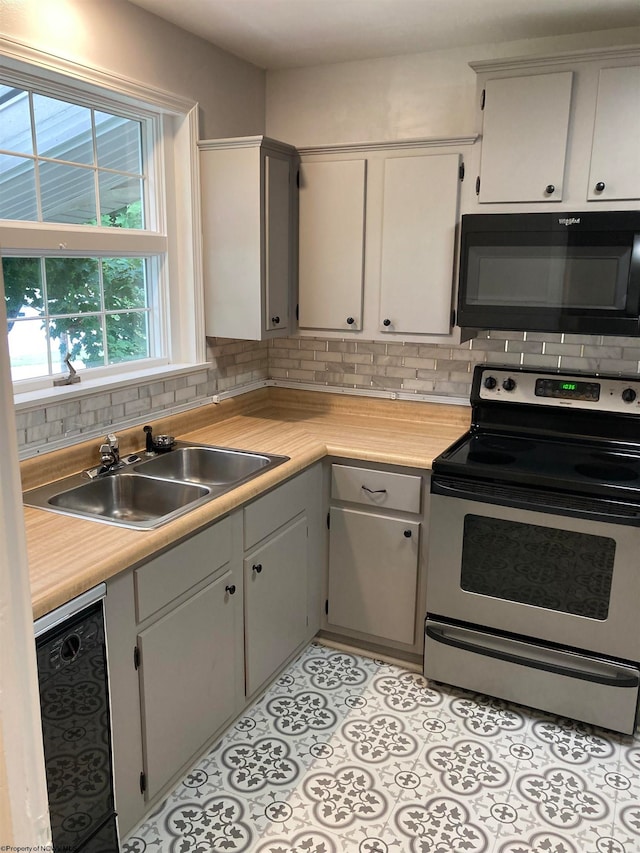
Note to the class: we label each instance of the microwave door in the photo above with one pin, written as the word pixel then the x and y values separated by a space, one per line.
pixel 524 277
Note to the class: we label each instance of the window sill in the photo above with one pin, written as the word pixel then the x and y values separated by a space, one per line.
pixel 86 387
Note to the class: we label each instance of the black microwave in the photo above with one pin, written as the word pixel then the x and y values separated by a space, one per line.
pixel 551 272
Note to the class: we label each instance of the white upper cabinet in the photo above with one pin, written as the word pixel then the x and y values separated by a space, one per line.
pixel 524 138
pixel 248 189
pixel 331 251
pixel 615 154
pixel 561 129
pixel 419 215
pixel 377 239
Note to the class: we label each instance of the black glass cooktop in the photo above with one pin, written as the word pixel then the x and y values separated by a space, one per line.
pixel 598 468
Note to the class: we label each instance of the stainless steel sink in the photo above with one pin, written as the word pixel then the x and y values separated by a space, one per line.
pixel 216 466
pixel 149 493
pixel 134 500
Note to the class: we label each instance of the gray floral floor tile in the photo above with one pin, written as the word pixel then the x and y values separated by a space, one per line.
pixel 346 754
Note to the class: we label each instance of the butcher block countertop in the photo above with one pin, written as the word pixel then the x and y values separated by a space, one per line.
pixel 70 555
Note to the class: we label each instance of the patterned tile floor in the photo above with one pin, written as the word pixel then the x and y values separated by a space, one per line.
pixel 346 754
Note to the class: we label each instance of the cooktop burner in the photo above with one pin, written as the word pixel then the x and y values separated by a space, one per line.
pixel 606 472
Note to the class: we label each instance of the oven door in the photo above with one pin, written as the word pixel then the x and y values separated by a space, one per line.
pixel 568 576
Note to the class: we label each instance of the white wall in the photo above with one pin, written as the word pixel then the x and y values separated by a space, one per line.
pixel 116 36
pixel 402 97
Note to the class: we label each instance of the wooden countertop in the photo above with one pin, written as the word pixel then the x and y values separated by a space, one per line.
pixel 69 555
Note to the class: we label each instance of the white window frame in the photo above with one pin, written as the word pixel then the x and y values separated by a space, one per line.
pixel 175 206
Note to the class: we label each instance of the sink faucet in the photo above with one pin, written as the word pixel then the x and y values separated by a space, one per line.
pixel 109 454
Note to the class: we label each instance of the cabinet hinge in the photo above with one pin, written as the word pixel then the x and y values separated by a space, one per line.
pixel 326 607
pixel 483 98
pixel 478 185
pixel 143 782
pixel 453 317
pixel 328 521
pixel 136 657
pixel 461 172
pixel 297 311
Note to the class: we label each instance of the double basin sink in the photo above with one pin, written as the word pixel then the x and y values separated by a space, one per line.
pixel 145 493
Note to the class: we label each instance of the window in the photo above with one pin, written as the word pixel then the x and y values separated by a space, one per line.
pixel 92 182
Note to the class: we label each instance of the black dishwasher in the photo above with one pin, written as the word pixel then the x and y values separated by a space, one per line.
pixel 76 726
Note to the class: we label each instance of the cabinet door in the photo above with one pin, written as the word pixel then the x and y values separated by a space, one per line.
pixel 615 153
pixel 331 260
pixel 524 138
pixel 419 216
pixel 373 572
pixel 275 602
pixel 189 661
pixel 277 244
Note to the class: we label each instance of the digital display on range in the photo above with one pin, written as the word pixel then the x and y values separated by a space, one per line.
pixel 568 390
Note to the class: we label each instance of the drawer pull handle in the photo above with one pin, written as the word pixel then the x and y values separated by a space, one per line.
pixel 257 568
pixel 230 589
pixel 407 534
pixel 374 491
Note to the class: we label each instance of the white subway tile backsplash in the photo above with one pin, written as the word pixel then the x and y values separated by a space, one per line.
pixel 125 396
pixel 537 360
pixel 410 368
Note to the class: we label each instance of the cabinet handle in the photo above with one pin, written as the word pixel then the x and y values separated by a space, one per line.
pixel 275 320
pixel 600 186
pixel 407 534
pixel 257 568
pixel 374 491
pixel 230 589
pixel 550 189
pixel 350 321
pixel 386 322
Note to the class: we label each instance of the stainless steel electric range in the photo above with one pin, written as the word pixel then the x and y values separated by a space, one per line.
pixel 533 579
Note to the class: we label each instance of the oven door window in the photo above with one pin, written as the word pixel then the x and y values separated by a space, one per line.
pixel 561 570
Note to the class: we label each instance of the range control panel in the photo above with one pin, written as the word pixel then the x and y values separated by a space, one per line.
pixel 602 393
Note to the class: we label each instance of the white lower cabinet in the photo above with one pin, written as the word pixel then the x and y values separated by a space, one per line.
pixel 282 575
pixel 373 575
pixel 175 644
pixel 188 663
pixel 181 626
pixel 375 591
pixel 275 577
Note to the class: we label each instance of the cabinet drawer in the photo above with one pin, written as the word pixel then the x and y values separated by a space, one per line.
pixel 168 576
pixel 267 514
pixel 376 488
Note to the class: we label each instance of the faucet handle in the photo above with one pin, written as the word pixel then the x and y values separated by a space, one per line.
pixel 112 440
pixel 106 453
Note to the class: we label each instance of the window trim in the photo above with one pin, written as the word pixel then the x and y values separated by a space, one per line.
pixel 178 175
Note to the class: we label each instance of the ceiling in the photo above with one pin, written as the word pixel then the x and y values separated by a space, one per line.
pixel 275 34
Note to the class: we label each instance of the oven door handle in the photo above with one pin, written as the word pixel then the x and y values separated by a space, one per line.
pixel 537 500
pixel 440 635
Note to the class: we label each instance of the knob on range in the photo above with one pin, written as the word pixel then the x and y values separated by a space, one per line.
pixel 509 384
pixel 490 382
pixel 629 395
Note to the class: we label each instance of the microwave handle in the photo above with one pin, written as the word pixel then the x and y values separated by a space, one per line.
pixel 448 638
